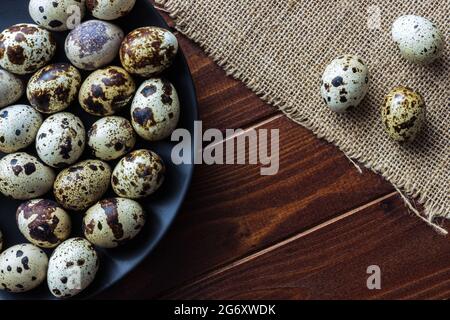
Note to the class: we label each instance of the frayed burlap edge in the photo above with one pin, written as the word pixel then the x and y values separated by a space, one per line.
pixel 404 188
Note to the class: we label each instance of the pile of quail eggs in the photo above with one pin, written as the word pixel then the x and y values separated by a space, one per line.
pixel 60 138
pixel 345 81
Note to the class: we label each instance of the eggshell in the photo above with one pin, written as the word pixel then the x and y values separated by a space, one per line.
pixel 111 137
pixel 345 83
pixel 72 267
pixel 403 114
pixel 43 223
pixel 138 174
pixel 110 10
pixel 80 186
pixel 148 51
pixel 112 222
pixel 106 91
pixel 419 40
pixel 93 44
pixel 54 87
pixel 23 177
pixel 23 267
pixel 155 110
pixel 11 88
pixel 25 48
pixel 19 125
pixel 58 15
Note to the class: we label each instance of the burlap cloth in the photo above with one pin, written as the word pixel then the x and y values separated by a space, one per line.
pixel 280 49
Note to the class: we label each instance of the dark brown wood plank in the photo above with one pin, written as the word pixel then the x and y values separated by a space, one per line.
pixel 331 263
pixel 233 211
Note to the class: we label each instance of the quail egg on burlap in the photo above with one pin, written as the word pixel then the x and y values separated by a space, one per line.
pixel 155 110
pixel 106 91
pixel 403 114
pixel 109 10
pixel 112 222
pixel 23 267
pixel 111 137
pixel 58 15
pixel 148 51
pixel 72 267
pixel 419 40
pixel 81 185
pixel 43 222
pixel 138 174
pixel 24 177
pixel 25 48
pixel 54 87
pixel 61 140
pixel 345 83
pixel 11 88
pixel 19 125
pixel 93 44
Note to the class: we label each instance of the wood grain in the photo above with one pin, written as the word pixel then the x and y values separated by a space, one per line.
pixel 331 263
pixel 232 211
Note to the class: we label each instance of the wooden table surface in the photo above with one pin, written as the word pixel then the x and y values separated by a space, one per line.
pixel 309 232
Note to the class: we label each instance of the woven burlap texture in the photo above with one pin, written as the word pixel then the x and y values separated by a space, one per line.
pixel 280 49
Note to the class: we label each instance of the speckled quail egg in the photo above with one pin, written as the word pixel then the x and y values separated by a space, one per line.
pixel 138 174
pixel 25 48
pixel 23 267
pixel 81 185
pixel 1 240
pixel 148 51
pixel 11 88
pixel 110 10
pixel 61 140
pixel 43 223
pixel 54 87
pixel 155 110
pixel 72 267
pixel 93 44
pixel 57 15
pixel 112 222
pixel 19 125
pixel 106 91
pixel 111 137
pixel 418 39
pixel 23 177
pixel 403 114
pixel 345 83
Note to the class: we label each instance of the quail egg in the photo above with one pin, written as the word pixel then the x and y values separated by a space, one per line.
pixel 148 51
pixel 418 39
pixel 106 91
pixel 19 125
pixel 113 221
pixel 54 87
pixel 111 137
pixel 57 15
pixel 25 48
pixel 155 110
pixel 72 267
pixel 1 241
pixel 81 185
pixel 23 177
pixel 93 44
pixel 110 10
pixel 403 114
pixel 23 267
pixel 61 140
pixel 11 88
pixel 43 223
pixel 138 174
pixel 345 83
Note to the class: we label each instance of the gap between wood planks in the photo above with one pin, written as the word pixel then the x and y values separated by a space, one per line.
pixel 275 246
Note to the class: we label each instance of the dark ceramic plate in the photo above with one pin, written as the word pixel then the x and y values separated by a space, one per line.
pixel 161 207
